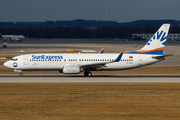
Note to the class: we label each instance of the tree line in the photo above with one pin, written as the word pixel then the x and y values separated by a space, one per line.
pixel 84 32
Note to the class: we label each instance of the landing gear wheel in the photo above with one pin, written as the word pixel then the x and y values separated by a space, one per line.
pixel 21 74
pixel 87 74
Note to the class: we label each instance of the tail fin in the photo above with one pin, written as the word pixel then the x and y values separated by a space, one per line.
pixel 157 43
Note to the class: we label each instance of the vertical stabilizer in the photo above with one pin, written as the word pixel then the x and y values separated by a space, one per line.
pixel 157 43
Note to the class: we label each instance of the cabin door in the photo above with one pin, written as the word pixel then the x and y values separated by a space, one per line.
pixel 25 60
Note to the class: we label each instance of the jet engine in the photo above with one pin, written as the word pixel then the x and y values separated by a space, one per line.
pixel 71 70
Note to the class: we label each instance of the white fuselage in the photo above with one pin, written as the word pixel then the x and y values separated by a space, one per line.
pixel 13 37
pixel 58 61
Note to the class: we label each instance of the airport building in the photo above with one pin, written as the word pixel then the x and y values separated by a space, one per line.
pixel 173 37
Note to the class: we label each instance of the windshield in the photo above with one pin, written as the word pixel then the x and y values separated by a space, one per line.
pixel 14 59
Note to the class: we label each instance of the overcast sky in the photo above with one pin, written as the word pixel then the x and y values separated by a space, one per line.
pixel 118 10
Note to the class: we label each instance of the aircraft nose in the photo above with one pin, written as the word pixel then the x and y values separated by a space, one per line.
pixel 6 64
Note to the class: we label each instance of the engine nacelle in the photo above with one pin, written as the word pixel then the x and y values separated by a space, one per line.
pixel 71 70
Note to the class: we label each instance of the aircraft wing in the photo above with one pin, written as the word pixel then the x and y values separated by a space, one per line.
pixel 94 65
pixel 101 64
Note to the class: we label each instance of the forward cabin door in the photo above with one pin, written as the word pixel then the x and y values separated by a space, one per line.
pixel 25 60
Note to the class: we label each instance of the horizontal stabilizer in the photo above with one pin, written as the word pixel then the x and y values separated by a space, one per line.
pixel 162 56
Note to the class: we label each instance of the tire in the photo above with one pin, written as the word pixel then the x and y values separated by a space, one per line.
pixel 89 74
pixel 21 74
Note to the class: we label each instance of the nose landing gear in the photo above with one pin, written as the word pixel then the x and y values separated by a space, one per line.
pixel 21 74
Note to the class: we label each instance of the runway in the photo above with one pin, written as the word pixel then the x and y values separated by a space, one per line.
pixel 93 79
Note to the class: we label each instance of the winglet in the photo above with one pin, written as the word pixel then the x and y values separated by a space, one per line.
pixel 102 51
pixel 119 57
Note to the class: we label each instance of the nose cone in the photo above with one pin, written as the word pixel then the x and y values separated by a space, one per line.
pixel 7 64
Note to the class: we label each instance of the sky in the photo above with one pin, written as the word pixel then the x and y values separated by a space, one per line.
pixel 118 10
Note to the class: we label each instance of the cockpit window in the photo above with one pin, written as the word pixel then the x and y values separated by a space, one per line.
pixel 13 59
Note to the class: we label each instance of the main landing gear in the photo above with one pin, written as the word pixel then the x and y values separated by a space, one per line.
pixel 87 73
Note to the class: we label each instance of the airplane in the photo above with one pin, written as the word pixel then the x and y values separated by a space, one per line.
pixel 75 63
pixel 13 38
pixel 102 51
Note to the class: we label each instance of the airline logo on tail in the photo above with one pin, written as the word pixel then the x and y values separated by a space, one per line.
pixel 157 37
